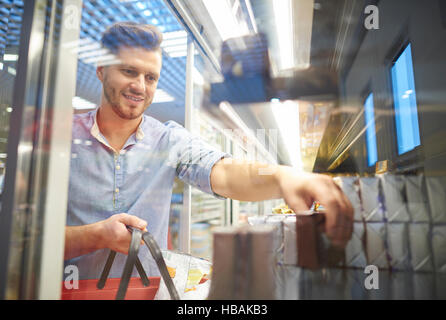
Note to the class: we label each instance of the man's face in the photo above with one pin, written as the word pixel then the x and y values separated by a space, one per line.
pixel 129 86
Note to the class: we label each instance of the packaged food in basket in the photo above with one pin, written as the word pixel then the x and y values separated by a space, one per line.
pixel 190 275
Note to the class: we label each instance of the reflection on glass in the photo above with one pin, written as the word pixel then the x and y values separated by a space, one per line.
pixel 10 22
pixel 404 95
pixel 372 151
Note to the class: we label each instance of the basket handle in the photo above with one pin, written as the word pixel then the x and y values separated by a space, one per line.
pixel 132 259
pixel 129 263
pixel 133 252
pixel 158 256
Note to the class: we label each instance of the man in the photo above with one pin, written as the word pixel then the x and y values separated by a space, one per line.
pixel 124 164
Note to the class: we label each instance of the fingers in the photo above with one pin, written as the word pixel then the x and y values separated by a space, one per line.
pixel 339 211
pixel 297 203
pixel 115 234
pixel 133 221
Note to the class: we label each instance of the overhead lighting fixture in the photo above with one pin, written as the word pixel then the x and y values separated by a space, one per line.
pixel 140 5
pixel 182 47
pixel 162 96
pixel 178 54
pixel 82 104
pixel 87 47
pixel 294 25
pixel 221 14
pixel 286 115
pixel 303 12
pixel 93 53
pixel 174 34
pixel 12 71
pixel 284 28
pixel 175 44
pixel 101 59
pixel 76 43
pixel 10 57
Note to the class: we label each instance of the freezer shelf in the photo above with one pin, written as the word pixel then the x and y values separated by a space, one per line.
pixel 293 283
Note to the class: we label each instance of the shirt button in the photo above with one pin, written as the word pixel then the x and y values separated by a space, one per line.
pixel 117 190
pixel 118 167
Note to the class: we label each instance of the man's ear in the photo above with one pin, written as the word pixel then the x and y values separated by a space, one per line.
pixel 100 73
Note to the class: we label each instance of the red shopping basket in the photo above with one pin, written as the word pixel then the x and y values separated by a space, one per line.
pixel 143 288
pixel 88 290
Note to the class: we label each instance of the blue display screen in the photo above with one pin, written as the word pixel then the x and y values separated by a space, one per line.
pixel 372 150
pixel 406 112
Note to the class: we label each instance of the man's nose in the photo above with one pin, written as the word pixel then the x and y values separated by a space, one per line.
pixel 139 84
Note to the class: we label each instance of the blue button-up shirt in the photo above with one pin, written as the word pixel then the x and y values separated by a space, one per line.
pixel 137 180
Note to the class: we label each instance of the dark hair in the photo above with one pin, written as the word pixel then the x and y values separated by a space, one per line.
pixel 131 34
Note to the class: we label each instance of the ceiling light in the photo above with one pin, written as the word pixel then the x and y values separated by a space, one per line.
pixel 174 41
pixel 10 57
pixel 174 34
pixel 176 48
pixel 220 12
pixel 77 43
pixel 284 28
pixel 93 53
pixel 87 47
pixel 82 104
pixel 140 5
pixel 178 54
pixel 303 12
pixel 175 44
pixel 12 71
pixel 100 58
pixel 162 96
pixel 286 115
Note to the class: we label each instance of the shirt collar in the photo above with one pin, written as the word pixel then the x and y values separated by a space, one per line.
pixel 97 134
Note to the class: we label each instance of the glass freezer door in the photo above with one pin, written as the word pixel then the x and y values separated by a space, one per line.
pixel 34 144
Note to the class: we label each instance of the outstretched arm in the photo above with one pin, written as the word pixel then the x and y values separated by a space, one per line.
pixel 250 181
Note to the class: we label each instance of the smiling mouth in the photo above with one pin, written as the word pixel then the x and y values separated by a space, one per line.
pixel 133 98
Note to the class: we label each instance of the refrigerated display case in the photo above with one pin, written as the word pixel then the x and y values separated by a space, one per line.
pixel 366 81
pixel 363 102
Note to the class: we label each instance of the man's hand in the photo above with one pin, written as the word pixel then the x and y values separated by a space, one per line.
pixel 242 180
pixel 114 233
pixel 300 190
pixel 111 233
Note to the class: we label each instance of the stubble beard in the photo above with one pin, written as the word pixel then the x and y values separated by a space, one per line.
pixel 112 98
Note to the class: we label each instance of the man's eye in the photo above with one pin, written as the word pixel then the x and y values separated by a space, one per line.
pixel 151 78
pixel 128 72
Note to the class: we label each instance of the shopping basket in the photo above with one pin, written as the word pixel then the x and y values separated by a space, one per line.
pixel 143 288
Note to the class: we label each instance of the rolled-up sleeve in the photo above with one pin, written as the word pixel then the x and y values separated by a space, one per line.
pixel 194 158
